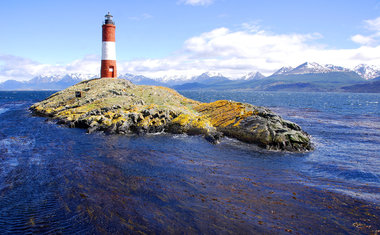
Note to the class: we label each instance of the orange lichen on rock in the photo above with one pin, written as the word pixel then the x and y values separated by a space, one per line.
pixel 223 113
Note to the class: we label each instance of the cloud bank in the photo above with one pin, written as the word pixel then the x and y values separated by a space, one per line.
pixel 21 69
pixel 233 53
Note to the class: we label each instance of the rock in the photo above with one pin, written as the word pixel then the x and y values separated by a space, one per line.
pixel 117 106
pixel 213 137
pixel 255 125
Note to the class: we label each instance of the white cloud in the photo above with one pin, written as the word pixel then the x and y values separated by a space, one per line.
pixel 234 53
pixel 363 40
pixel 197 2
pixel 373 24
pixel 230 52
pixel 371 39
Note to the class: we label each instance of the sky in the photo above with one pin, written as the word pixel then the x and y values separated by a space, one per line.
pixel 184 38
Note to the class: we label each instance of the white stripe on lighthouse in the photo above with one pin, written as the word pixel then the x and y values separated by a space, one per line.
pixel 108 51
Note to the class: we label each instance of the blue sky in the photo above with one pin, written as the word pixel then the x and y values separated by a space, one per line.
pixel 186 37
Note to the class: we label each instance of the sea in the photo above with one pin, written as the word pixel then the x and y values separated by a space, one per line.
pixel 55 179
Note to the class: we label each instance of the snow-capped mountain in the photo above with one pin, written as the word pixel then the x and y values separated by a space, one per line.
pixel 62 78
pixel 252 76
pixel 209 77
pixel 283 70
pixel 312 67
pixel 175 79
pixel 46 78
pixel 47 82
pixel 140 80
pixel 81 76
pixel 367 71
pixel 334 68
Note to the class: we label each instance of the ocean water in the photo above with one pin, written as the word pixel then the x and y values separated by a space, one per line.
pixel 55 179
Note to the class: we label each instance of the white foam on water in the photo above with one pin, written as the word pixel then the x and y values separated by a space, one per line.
pixel 13 162
pixel 374 197
pixel 179 136
pixel 15 145
pixel 367 196
pixel 3 110
pixel 35 159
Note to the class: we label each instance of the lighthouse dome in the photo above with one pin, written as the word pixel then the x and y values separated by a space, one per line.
pixel 108 19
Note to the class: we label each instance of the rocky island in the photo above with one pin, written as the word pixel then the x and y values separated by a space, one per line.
pixel 117 106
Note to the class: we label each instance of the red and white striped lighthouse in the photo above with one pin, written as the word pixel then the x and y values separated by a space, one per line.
pixel 108 67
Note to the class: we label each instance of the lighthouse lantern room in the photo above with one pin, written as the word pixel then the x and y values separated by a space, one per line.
pixel 108 66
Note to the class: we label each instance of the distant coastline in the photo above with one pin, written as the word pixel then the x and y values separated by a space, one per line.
pixel 308 77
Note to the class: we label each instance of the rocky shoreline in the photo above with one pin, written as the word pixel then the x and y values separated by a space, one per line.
pixel 117 106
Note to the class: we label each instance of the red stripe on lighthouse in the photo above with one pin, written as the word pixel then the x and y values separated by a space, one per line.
pixel 108 66
pixel 108 32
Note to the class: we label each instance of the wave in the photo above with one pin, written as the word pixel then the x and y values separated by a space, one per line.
pixel 3 110
pixel 368 196
pixel 358 175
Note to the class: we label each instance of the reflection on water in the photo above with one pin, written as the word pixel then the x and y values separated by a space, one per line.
pixel 59 180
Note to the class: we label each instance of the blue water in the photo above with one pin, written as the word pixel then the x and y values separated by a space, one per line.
pixel 55 179
pixel 345 128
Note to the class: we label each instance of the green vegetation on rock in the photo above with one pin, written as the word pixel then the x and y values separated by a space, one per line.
pixel 117 106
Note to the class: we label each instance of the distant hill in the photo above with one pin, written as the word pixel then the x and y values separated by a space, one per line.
pixel 253 76
pixel 141 80
pixel 327 81
pixel 210 78
pixel 283 70
pixel 305 77
pixel 369 87
pixel 309 76
pixel 56 82
pixel 13 85
pixel 60 82
pixel 191 86
pixel 367 71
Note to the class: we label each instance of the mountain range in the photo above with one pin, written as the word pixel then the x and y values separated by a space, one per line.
pixel 305 77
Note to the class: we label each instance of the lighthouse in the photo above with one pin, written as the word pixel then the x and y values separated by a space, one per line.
pixel 108 67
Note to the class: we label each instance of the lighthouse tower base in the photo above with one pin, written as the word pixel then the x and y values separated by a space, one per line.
pixel 108 69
